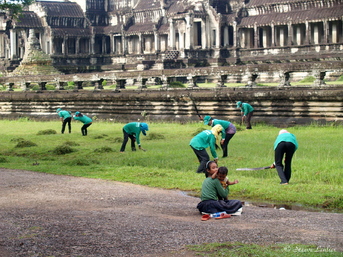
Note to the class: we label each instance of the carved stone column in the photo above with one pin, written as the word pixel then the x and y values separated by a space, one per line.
pixel 25 86
pixel 284 79
pixel 319 75
pixel 252 80
pixel 42 85
pixel 78 84
pixel 221 80
pixel 165 83
pixel 192 81
pixel 60 85
pixel 9 86
pixel 120 84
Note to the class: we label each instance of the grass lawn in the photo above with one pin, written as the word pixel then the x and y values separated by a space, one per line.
pixel 170 163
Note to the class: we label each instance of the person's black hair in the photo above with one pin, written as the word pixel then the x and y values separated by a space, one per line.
pixel 223 170
pixel 208 164
pixel 207 168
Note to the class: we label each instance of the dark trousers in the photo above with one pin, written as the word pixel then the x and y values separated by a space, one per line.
pixel 248 120
pixel 225 144
pixel 203 158
pixel 126 138
pixel 286 149
pixel 84 129
pixel 65 122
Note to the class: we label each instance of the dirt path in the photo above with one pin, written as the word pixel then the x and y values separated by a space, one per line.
pixel 49 215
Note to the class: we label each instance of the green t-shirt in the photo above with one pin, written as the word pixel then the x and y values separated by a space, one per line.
pixel 286 137
pixel 133 128
pixel 225 124
pixel 212 188
pixel 203 140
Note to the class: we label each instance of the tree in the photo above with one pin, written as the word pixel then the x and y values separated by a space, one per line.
pixel 14 7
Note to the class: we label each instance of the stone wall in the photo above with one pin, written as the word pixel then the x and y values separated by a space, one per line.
pixel 273 105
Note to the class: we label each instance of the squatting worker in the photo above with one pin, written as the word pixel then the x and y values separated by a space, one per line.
pixel 203 140
pixel 285 145
pixel 229 130
pixel 132 130
pixel 65 117
pixel 247 111
pixel 85 120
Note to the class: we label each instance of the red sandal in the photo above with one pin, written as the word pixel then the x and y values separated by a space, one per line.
pixel 205 217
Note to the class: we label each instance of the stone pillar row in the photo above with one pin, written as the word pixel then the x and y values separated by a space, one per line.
pixel 142 83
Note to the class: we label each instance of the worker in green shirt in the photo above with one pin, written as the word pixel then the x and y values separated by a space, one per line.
pixel 132 130
pixel 229 130
pixel 247 111
pixel 65 117
pixel 203 140
pixel 85 120
pixel 285 145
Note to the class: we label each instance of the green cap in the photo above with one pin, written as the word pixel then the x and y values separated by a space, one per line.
pixel 207 119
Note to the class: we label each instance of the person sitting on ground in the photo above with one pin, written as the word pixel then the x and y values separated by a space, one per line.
pixel 211 189
pixel 132 130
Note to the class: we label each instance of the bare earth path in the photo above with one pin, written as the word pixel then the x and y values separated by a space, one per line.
pixel 49 215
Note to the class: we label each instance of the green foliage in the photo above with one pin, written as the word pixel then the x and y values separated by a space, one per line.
pixel 14 8
pixel 35 87
pixel 101 136
pixel 154 136
pixel 116 140
pixel 63 149
pixel 199 130
pixel 47 132
pixel 17 139
pixel 50 87
pixel 308 79
pixel 104 149
pixel 340 78
pixel 25 143
pixel 23 119
pixel 71 143
pixel 176 84
pixel 3 159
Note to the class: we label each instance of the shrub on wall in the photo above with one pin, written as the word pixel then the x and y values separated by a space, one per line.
pixel 176 84
pixel 308 79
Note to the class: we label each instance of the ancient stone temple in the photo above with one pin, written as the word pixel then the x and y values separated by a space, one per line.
pixel 108 35
pixel 35 61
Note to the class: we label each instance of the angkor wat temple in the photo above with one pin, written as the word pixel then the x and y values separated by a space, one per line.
pixel 137 35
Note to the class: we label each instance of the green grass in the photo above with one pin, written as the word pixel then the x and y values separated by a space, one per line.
pixel 170 163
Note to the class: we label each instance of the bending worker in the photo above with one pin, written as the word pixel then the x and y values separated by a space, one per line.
pixel 229 130
pixel 247 111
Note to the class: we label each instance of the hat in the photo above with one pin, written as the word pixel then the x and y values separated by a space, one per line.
pixel 207 119
pixel 58 110
pixel 239 103
pixel 215 131
pixel 77 113
pixel 283 131
pixel 144 127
